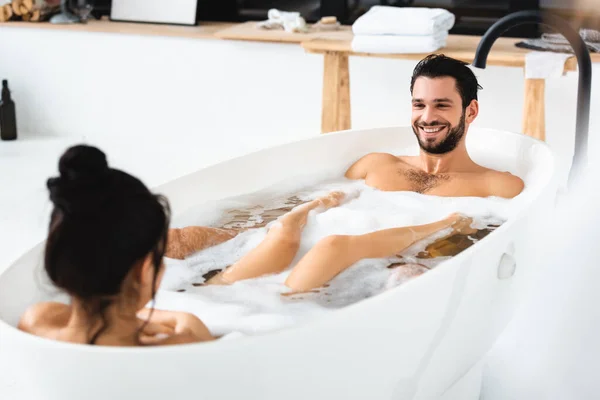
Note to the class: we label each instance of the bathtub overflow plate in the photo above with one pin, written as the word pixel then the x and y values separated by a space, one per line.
pixel 507 266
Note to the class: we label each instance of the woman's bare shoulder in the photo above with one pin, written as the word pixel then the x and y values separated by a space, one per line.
pixel 42 316
pixel 181 338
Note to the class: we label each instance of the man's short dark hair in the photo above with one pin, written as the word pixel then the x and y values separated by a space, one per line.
pixel 439 65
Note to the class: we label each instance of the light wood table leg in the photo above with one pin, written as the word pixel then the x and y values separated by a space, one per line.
pixel 534 116
pixel 336 93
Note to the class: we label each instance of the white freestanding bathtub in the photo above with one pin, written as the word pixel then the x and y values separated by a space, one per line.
pixel 422 340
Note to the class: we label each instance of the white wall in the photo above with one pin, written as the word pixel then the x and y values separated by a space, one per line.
pixel 163 107
pixel 146 90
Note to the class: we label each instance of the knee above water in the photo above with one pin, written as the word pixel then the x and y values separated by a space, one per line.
pixel 286 235
pixel 337 242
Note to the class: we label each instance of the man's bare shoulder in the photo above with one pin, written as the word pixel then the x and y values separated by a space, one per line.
pixel 42 316
pixel 379 158
pixel 503 184
pixel 360 168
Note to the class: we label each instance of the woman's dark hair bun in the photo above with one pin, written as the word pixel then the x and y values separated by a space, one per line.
pixel 81 162
pixel 81 186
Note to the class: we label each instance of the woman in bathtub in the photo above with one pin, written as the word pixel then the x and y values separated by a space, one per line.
pixel 105 249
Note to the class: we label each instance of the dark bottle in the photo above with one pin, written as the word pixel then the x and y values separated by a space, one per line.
pixel 8 118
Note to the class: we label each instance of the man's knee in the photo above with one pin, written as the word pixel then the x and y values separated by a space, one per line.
pixel 285 234
pixel 335 242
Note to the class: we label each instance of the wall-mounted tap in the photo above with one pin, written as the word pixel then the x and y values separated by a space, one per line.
pixel 584 64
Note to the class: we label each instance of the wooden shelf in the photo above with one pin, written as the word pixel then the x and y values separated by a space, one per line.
pixel 202 31
pixel 458 46
pixel 249 31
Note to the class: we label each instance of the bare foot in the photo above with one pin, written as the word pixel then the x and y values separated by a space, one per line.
pixel 333 199
pixel 322 203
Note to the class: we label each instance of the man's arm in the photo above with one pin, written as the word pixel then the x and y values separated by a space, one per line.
pixel 504 184
pixel 360 168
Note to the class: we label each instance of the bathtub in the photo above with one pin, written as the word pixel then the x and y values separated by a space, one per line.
pixel 422 340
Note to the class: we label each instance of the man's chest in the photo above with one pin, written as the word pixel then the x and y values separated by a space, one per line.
pixel 406 179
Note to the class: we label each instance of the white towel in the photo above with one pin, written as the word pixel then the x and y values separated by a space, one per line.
pixel 386 44
pixel 386 20
pixel 545 64
pixel 290 21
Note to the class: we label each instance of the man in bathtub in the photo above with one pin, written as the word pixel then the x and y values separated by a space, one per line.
pixel 444 104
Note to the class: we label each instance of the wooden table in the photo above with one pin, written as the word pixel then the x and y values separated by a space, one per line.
pixel 205 30
pixel 249 31
pixel 336 110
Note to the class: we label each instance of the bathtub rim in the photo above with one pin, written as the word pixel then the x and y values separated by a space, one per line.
pixel 366 131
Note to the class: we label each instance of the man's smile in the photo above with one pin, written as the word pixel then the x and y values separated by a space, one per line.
pixel 430 132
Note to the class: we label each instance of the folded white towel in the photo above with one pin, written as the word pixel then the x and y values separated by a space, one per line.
pixel 290 21
pixel 386 20
pixel 386 44
pixel 545 64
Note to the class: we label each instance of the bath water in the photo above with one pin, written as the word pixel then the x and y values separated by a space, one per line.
pixel 265 304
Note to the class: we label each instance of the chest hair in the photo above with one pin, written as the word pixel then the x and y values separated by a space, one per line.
pixel 422 182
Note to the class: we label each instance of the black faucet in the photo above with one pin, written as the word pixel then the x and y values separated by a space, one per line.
pixel 584 63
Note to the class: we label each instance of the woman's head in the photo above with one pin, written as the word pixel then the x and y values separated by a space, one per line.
pixel 107 233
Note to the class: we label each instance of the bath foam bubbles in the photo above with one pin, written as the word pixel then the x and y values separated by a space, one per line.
pixel 265 304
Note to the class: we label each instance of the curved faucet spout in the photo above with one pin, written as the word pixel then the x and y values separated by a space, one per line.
pixel 584 64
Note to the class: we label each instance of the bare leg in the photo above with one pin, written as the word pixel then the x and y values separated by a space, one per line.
pixel 278 249
pixel 185 241
pixel 333 254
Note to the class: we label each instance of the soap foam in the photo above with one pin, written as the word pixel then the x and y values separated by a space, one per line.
pixel 265 304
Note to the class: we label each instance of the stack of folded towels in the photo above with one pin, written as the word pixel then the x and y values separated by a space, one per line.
pixel 385 29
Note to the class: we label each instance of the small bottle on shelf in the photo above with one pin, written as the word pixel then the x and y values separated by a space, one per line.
pixel 8 119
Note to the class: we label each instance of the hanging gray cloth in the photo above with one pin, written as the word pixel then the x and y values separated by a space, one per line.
pixel 558 43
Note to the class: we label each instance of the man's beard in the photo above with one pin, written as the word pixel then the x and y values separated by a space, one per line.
pixel 448 144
